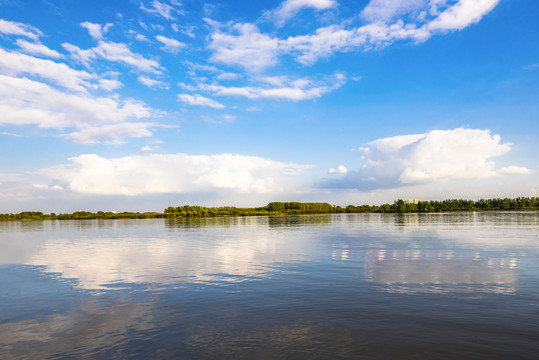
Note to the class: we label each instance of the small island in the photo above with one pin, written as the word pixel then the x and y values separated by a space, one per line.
pixel 294 208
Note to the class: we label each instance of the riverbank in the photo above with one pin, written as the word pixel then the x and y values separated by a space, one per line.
pixel 289 208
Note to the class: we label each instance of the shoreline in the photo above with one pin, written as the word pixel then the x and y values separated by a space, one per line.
pixel 293 208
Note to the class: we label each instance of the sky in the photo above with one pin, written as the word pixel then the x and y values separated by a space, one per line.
pixel 137 105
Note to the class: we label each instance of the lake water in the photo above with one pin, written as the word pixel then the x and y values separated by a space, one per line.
pixel 348 286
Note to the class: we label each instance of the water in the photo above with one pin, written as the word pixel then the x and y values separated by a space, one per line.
pixel 372 286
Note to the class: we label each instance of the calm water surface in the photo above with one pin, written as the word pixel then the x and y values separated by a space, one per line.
pixel 370 286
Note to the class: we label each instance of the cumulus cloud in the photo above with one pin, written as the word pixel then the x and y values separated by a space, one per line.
pixel 515 170
pixel 244 45
pixel 36 48
pixel 173 173
pixel 200 100
pixel 170 45
pixel 289 8
pixel 341 169
pixel 20 29
pixel 437 155
pixel 28 102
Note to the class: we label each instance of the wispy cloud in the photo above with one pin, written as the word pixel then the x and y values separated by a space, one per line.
pixel 149 82
pixel 280 88
pixel 160 8
pixel 20 29
pixel 36 48
pixel 96 31
pixel 170 45
pixel 14 64
pixel 10 134
pixel 244 45
pixel 200 100
pixel 117 52
pixel 109 84
pixel 289 8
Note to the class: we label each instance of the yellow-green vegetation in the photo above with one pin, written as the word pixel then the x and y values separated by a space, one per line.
pixel 287 208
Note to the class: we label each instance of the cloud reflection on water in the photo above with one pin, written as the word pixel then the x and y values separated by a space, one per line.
pixel 435 271
pixel 180 257
pixel 312 288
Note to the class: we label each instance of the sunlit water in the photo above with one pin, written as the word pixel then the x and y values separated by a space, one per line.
pixel 435 286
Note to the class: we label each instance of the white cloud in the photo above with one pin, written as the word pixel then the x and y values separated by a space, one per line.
pixel 174 173
pixel 326 41
pixel 170 45
pixel 289 8
pixel 462 14
pixel 203 67
pixel 437 155
pixel 245 46
pixel 200 100
pixel 110 133
pixel 227 76
pixel 47 187
pixel 16 28
pixel 141 37
pixel 149 148
pixel 36 48
pixel 287 89
pixel 10 134
pixel 110 84
pixel 515 170
pixel 149 82
pixel 27 102
pixel 341 169
pixel 162 9
pixel 96 31
pixel 383 10
pixel 17 64
pixel 188 31
pixel 220 74
pixel 110 51
pixel 221 119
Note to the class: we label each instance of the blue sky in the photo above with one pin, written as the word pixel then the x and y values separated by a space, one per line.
pixel 138 105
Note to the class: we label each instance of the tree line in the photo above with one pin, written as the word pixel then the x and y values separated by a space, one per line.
pixel 288 208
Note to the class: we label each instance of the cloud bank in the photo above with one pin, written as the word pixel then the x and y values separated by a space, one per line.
pixel 174 173
pixel 437 155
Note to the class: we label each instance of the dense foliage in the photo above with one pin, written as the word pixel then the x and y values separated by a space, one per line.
pixel 285 208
